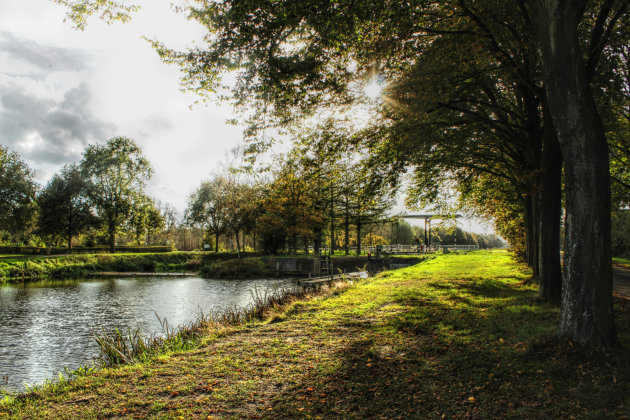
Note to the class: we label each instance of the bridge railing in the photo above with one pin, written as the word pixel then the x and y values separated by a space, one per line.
pixel 456 247
pixel 402 249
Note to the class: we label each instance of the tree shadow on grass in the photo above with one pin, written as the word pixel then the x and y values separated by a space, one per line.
pixel 458 357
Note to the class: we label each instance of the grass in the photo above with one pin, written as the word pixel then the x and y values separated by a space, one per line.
pixel 23 268
pixel 624 262
pixel 458 336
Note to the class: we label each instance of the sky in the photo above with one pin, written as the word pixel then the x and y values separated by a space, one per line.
pixel 62 89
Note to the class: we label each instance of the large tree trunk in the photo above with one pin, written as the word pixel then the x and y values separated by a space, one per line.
pixel 358 236
pixel 531 240
pixel 346 227
pixel 216 242
pixel 318 241
pixel 550 209
pixel 112 236
pixel 587 315
pixel 69 235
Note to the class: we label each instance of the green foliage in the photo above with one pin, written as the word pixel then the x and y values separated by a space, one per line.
pixel 207 207
pixel 620 233
pixel 64 207
pixel 290 206
pixel 117 173
pixel 108 10
pixel 618 129
pixel 17 194
pixel 145 218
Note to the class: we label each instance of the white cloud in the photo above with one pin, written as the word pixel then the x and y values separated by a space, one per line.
pixel 61 89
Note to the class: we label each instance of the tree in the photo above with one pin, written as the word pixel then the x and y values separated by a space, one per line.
pixel 288 206
pixel 587 315
pixel 207 207
pixel 64 207
pixel 145 219
pixel 155 223
pixel 108 10
pixel 117 173
pixel 240 204
pixel 17 194
pixel 167 214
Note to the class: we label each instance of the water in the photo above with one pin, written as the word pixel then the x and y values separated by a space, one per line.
pixel 45 327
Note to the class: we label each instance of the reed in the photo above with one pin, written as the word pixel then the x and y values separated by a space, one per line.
pixel 131 346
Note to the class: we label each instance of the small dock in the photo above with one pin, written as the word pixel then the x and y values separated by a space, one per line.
pixel 141 274
pixel 312 281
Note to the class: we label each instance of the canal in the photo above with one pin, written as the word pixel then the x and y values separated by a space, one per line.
pixel 46 326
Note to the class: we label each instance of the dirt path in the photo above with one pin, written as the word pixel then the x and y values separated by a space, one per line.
pixel 621 282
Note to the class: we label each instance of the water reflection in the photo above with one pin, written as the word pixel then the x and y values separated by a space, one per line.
pixel 46 326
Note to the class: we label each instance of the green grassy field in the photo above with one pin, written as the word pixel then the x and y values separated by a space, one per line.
pixel 457 336
pixel 29 267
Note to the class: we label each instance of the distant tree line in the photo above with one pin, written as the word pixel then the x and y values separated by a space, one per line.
pixel 98 199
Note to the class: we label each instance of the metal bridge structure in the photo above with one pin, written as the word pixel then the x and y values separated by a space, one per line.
pixel 427 222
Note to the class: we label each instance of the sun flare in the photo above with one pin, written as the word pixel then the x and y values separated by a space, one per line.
pixel 373 89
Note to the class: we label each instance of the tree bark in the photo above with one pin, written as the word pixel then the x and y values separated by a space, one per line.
pixel 535 204
pixel 318 241
pixel 531 243
pixel 112 236
pixel 346 227
pixel 358 237
pixel 216 242
pixel 586 315
pixel 550 209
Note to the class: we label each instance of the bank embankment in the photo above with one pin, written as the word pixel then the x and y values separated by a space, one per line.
pixel 15 268
pixel 18 268
pixel 459 336
pixel 33 268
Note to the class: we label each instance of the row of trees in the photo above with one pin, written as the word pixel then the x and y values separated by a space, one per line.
pixel 308 196
pixel 313 196
pixel 105 191
pixel 300 203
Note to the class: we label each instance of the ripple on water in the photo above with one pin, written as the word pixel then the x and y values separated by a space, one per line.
pixel 46 326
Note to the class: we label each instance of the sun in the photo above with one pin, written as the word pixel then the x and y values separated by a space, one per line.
pixel 374 89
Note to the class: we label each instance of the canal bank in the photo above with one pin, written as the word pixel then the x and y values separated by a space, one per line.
pixel 24 268
pixel 319 266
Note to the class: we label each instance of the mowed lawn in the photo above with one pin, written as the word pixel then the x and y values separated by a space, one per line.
pixel 458 336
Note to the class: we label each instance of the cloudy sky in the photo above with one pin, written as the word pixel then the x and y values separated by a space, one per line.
pixel 61 89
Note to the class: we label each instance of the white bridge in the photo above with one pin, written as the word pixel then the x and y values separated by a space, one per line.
pixel 403 249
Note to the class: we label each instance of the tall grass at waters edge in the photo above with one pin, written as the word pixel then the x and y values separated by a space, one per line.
pixel 126 347
pixel 119 347
pixel 37 268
